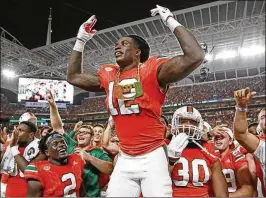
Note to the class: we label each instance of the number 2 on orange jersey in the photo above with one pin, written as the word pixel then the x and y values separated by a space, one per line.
pixel 71 187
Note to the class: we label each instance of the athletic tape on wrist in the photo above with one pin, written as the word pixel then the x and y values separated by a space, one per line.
pixel 79 45
pixel 172 23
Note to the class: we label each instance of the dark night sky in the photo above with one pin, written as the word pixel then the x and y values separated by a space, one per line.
pixel 27 19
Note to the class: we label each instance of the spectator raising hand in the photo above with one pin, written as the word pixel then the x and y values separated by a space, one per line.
pixel 243 97
pixel 77 126
pixel 3 135
pixel 50 97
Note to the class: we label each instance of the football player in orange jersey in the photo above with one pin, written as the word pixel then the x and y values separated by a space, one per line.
pixel 136 89
pixel 60 175
pixel 235 166
pixel 195 171
pixel 252 143
pixel 22 149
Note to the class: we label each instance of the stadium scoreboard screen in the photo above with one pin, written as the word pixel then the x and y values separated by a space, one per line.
pixel 34 90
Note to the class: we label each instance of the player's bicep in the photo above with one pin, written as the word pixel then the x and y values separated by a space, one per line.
pixel 249 141
pixel 176 69
pixel 87 81
pixel 34 188
pixel 218 180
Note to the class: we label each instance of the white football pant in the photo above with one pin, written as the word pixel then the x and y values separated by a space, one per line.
pixel 145 173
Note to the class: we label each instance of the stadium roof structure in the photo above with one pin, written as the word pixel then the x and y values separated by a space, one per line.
pixel 222 25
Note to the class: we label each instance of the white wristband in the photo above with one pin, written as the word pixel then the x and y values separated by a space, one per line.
pixel 172 23
pixel 79 45
pixel 15 151
pixel 241 109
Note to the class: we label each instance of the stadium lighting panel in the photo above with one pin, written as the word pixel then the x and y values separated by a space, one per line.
pixel 208 57
pixel 253 50
pixel 9 73
pixel 226 55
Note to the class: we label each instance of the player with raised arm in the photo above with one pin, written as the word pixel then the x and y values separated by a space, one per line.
pixel 235 166
pixel 136 89
pixel 97 161
pixel 195 170
pixel 252 143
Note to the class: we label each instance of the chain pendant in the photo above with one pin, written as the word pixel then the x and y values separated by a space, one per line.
pixel 138 89
pixel 118 92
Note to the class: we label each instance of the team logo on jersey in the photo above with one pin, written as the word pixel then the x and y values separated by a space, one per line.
pixel 75 163
pixel 108 69
pixel 46 168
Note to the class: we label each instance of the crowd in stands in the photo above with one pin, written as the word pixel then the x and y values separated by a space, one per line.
pixel 176 95
pixel 87 113
pixel 192 93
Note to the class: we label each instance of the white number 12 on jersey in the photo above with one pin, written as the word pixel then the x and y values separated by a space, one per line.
pixel 123 109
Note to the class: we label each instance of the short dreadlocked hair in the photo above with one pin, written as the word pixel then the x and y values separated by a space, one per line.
pixel 141 44
pixel 43 142
pixel 32 127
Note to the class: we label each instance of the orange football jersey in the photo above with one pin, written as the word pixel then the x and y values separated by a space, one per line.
pixel 136 118
pixel 57 181
pixel 191 175
pixel 16 185
pixel 231 163
pixel 210 146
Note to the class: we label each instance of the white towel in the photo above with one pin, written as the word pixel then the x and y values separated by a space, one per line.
pixel 8 163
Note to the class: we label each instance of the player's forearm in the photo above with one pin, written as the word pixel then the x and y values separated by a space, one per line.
pixel 21 162
pixel 252 168
pixel 240 124
pixel 220 188
pixel 75 66
pixel 219 184
pixel 181 66
pixel 106 136
pixel 103 166
pixel 244 191
pixel 190 46
pixel 249 141
pixel 75 75
pixel 56 121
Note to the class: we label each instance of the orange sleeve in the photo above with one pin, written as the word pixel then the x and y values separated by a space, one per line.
pixel 154 63
pixel 32 172
pixel 103 73
pixel 210 154
pixel 240 161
